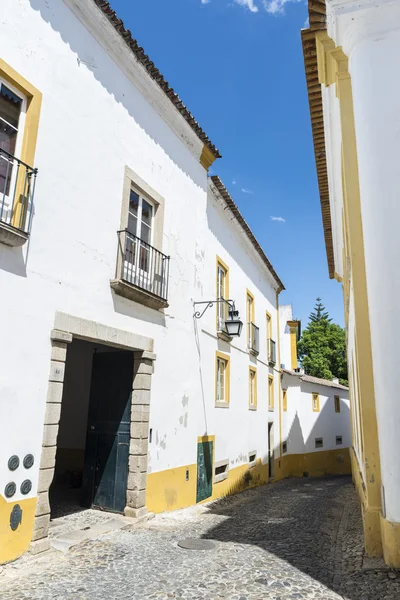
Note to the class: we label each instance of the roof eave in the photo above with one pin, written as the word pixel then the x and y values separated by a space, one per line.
pixel 223 192
pixel 155 74
pixel 317 18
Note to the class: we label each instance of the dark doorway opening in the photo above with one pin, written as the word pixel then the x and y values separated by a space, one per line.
pixel 271 450
pixel 94 432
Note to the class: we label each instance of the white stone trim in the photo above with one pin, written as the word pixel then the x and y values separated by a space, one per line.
pixel 252 463
pixel 224 475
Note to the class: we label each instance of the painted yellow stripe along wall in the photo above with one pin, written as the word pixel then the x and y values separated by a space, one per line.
pixel 169 490
pixel 15 543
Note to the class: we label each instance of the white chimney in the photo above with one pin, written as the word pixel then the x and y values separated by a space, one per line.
pixel 335 380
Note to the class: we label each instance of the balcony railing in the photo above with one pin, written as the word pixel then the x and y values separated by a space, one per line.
pixel 254 336
pixel 142 266
pixel 17 188
pixel 271 352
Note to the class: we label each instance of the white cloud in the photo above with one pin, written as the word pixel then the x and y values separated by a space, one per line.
pixel 205 1
pixel 249 4
pixel 247 191
pixel 233 182
pixel 306 23
pixel 276 7
pixel 280 219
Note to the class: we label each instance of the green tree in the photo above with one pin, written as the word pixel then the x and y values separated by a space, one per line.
pixel 322 347
pixel 319 313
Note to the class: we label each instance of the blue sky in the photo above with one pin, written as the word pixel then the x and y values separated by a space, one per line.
pixel 238 66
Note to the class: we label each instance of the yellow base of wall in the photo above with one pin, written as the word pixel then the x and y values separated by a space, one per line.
pixel 169 490
pixel 14 543
pixel 391 542
pixel 313 464
pixel 370 514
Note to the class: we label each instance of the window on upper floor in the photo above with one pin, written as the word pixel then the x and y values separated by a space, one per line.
pixel 271 345
pixel 142 269
pixel 19 115
pixel 337 404
pixel 315 402
pixel 271 393
pixel 222 380
pixel 253 332
pixel 222 294
pixel 252 388
pixel 284 397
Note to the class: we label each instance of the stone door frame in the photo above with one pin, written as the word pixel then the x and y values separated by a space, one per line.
pixel 67 328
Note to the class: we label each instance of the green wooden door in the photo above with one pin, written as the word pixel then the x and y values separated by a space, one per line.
pixel 105 473
pixel 204 470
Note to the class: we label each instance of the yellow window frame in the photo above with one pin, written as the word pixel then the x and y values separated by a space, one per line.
pixel 284 400
pixel 253 379
pixel 224 266
pixel 271 392
pixel 315 402
pixel 337 404
pixel 227 360
pixel 249 318
pixel 31 126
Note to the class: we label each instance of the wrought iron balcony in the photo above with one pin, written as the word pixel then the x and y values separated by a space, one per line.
pixel 254 337
pixel 17 188
pixel 271 352
pixel 142 271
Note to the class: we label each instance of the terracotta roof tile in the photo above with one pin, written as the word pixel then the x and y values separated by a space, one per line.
pixel 154 73
pixel 317 17
pixel 237 214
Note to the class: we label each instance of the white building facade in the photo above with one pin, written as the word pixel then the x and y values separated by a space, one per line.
pixel 316 430
pixel 351 52
pixel 104 251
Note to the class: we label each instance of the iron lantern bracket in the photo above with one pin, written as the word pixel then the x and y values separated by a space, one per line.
pixel 232 310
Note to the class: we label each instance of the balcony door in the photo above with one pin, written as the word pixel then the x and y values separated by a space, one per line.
pixel 12 116
pixel 138 267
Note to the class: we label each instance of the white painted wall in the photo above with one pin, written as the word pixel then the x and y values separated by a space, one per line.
pixel 369 33
pixel 94 122
pixel 300 425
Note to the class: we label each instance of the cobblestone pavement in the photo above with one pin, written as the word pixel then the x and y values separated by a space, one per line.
pixel 296 539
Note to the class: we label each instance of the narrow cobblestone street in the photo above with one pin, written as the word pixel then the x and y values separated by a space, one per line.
pixel 300 538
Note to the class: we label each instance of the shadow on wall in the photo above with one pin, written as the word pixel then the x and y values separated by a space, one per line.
pixel 14 260
pixel 304 458
pixel 107 73
pixel 137 311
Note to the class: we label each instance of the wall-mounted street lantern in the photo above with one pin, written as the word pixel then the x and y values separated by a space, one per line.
pixel 233 325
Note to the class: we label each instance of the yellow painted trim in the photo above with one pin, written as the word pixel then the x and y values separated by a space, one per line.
pixel 31 127
pixel 14 543
pixel 333 68
pixel 314 464
pixel 337 404
pixel 370 514
pixel 338 278
pixel 207 158
pixel 268 323
pixel 315 402
pixel 284 396
pixel 226 358
pixel 168 490
pixel 352 209
pixel 271 392
pixel 293 326
pixel 220 263
pixel 205 438
pixel 249 295
pixel 254 405
pixel 391 543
